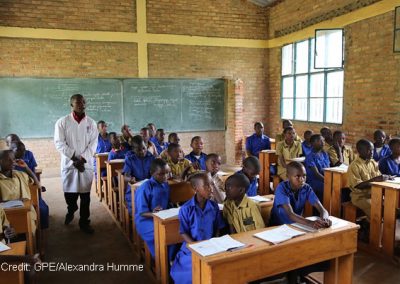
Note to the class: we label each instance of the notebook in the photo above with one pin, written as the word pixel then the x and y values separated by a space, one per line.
pixel 336 224
pixel 3 247
pixel 168 213
pixel 216 245
pixel 12 204
pixel 395 180
pixel 279 234
pixel 259 198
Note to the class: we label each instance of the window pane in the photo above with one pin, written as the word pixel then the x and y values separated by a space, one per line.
pixel 329 48
pixel 287 108
pixel 301 86
pixel 317 110
pixel 334 86
pixel 287 59
pixel 302 57
pixel 301 109
pixel 312 46
pixel 287 87
pixel 317 85
pixel 334 110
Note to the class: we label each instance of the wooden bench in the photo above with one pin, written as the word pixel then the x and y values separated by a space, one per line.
pixel 335 179
pixel 101 158
pixel 112 186
pixel 267 158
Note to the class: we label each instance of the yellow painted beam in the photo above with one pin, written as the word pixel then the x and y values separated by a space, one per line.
pixel 141 16
pixel 143 66
pixel 143 59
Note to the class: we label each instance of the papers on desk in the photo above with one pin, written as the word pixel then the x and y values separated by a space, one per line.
pixel 396 180
pixel 221 206
pixel 268 151
pixel 12 204
pixel 336 224
pixel 341 168
pixel 222 173
pixel 3 247
pixel 117 161
pixel 216 245
pixel 299 159
pixel 259 198
pixel 168 213
pixel 279 234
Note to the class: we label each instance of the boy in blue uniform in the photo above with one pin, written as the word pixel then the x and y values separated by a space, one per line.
pixel 103 141
pixel 200 219
pixel 158 141
pixel 26 155
pixel 306 144
pixel 117 150
pixel 390 165
pixel 381 150
pixel 126 136
pixel 151 197
pixel 251 168
pixel 197 157
pixel 137 166
pixel 315 164
pixel 258 141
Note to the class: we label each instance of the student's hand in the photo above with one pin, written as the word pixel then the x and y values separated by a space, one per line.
pixel 319 224
pixel 9 232
pixel 158 208
pixel 21 163
pixel 196 166
pixel 132 180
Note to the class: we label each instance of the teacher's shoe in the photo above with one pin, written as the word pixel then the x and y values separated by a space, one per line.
pixel 87 229
pixel 68 218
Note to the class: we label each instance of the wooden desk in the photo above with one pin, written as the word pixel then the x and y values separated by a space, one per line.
pixel 273 143
pixel 267 158
pixel 20 220
pixel 166 232
pixel 334 181
pixel 250 264
pixel 18 248
pixel 111 167
pixel 387 193
pixel 101 158
pixel 121 195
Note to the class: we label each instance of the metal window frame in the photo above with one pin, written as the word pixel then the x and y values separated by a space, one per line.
pixel 315 48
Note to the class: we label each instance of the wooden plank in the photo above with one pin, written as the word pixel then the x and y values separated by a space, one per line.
pixel 328 190
pixel 389 223
pixel 336 198
pixel 345 268
pixel 376 216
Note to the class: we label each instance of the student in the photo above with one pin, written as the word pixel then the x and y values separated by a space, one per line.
pixel 338 152
pixel 172 138
pixel 251 169
pixel 258 141
pixel 137 166
pixel 213 165
pixel 381 150
pixel 315 163
pixel 27 156
pixel 306 144
pixel 103 141
pixel 11 138
pixel 5 230
pixel 126 136
pixel 159 142
pixel 152 130
pixel 200 219
pixel 289 148
pixel 145 133
pixel 362 171
pixel 281 136
pixel 197 157
pixel 241 213
pixel 327 134
pixel 151 197
pixel 14 184
pixel 390 165
pixel 117 150
pixel 180 167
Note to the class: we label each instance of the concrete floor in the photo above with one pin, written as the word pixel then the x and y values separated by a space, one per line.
pixel 107 245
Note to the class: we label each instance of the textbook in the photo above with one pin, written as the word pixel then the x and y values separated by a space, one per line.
pixel 216 245
pixel 12 204
pixel 395 180
pixel 279 234
pixel 336 224
pixel 168 213
pixel 3 247
pixel 259 198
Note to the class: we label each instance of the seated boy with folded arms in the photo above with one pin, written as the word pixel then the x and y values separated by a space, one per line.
pixel 251 169
pixel 213 165
pixel 180 167
pixel 197 157
pixel 200 219
pixel 362 171
pixel 381 149
pixel 289 148
pixel 145 133
pixel 258 141
pixel 137 166
pixel 306 144
pixel 390 165
pixel 241 213
pixel 339 153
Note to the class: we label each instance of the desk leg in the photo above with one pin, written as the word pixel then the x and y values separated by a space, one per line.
pixel 376 217
pixel 330 275
pixel 196 269
pixel 262 187
pixel 164 261
pixel 345 269
pixel 267 175
pixel 157 247
pixel 327 191
pixel 389 221
pixel 336 198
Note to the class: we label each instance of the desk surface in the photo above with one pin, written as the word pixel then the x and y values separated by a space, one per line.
pixel 26 207
pixel 18 248
pixel 387 184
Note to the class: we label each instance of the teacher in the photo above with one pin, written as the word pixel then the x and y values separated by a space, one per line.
pixel 75 137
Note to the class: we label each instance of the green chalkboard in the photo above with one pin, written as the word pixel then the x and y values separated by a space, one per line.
pixel 175 104
pixel 31 106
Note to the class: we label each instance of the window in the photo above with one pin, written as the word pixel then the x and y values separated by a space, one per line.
pixel 310 94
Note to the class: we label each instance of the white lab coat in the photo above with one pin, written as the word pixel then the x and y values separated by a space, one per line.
pixel 81 139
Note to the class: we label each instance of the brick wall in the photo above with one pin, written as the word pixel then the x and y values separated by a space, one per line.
pixel 371 87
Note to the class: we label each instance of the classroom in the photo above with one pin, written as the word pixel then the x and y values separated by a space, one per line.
pixel 181 141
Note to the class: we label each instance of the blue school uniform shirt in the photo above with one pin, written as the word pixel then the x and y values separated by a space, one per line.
pixel 255 144
pixel 253 187
pixel 384 153
pixel 159 147
pixel 103 145
pixel 29 159
pixel 321 161
pixel 138 168
pixel 307 149
pixel 114 155
pixel 148 196
pixel 388 166
pixel 202 160
pixel 285 195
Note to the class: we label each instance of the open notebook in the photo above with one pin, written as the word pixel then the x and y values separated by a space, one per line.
pixel 3 247
pixel 259 198
pixel 279 234
pixel 336 223
pixel 12 204
pixel 168 213
pixel 216 245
